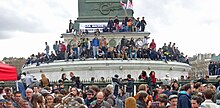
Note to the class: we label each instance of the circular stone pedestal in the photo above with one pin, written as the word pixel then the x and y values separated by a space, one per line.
pixel 108 68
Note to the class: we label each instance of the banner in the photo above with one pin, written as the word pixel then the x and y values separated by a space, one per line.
pixel 92 27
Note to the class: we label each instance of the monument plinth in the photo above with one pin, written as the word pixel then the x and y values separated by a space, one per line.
pixel 113 39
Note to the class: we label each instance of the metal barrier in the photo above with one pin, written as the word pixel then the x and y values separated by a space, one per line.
pixel 99 84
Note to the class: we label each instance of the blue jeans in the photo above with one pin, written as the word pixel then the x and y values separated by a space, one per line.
pixel 95 51
pixel 133 55
pixel 75 53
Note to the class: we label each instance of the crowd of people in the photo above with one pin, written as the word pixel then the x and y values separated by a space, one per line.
pixel 98 48
pixel 214 68
pixel 127 25
pixel 42 94
pixel 115 25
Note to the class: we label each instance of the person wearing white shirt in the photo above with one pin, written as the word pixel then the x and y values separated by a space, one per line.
pixel 208 93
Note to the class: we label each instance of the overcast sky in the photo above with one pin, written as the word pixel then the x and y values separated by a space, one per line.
pixel 194 25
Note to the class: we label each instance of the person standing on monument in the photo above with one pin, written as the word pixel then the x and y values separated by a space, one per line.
pixel 116 24
pixel 70 26
pixel 95 46
pixel 110 24
pixel 143 24
pixel 74 48
pixel 56 47
pixel 103 45
pixel 138 25
pixel 47 49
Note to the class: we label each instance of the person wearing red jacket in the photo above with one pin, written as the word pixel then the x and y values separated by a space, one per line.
pixel 153 45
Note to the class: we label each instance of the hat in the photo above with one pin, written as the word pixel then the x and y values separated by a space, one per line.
pixel 47 88
pixel 172 96
pixel 204 85
pixel 90 91
pixel 43 91
pixel 116 76
pixel 7 89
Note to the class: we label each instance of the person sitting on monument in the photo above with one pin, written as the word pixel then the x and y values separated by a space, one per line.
pixel 124 42
pixel 133 53
pixel 153 54
pixel 146 53
pixel 140 53
pixel 109 54
pixel 115 52
pixel 52 57
pixel 105 29
pixel 124 53
pixel 125 24
pixel 130 25
pixel 101 53
pixel 97 32
pixel 122 28
pixel 84 54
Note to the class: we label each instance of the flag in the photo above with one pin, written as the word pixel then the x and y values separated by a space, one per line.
pixel 123 5
pixel 129 5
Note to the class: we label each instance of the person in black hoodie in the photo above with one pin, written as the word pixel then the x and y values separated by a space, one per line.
pixel 184 98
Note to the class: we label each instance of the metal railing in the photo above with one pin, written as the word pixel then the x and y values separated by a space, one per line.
pixel 99 83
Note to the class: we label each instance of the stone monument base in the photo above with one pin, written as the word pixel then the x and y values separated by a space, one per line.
pixel 116 37
pixel 107 69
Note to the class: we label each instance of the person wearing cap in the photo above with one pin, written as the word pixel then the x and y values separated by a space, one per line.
pixel 203 87
pixel 89 97
pixel 8 94
pixel 172 101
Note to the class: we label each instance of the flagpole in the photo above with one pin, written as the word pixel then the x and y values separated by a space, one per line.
pixel 126 13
